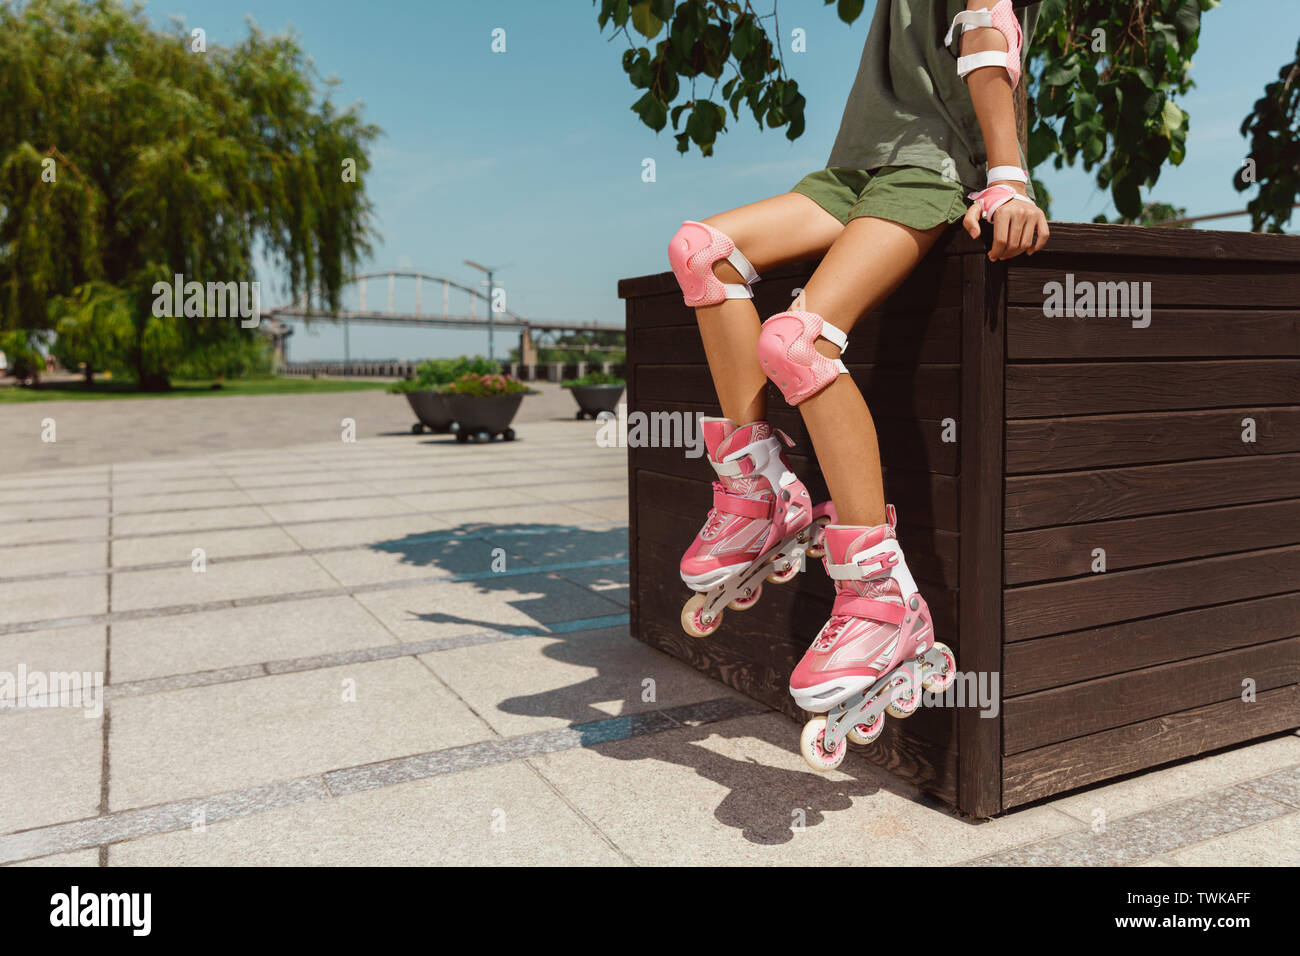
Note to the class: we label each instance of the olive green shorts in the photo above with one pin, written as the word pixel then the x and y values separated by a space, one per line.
pixel 916 197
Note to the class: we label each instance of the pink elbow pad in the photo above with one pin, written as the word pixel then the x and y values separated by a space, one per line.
pixel 1002 18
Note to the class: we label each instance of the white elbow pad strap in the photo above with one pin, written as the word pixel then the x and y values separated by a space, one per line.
pixel 1002 18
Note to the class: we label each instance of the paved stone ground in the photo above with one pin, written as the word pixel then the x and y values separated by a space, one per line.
pixel 404 650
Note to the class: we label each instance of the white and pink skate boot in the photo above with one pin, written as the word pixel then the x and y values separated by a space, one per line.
pixel 761 525
pixel 876 652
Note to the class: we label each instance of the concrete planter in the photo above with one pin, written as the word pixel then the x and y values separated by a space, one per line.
pixel 594 399
pixel 432 411
pixel 483 416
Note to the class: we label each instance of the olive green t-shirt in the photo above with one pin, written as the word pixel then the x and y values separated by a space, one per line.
pixel 908 106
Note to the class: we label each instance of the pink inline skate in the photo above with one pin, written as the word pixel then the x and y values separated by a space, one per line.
pixel 761 525
pixel 876 652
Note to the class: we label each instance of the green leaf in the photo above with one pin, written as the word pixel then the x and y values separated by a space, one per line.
pixel 850 10
pixel 1171 119
pixel 652 112
pixel 644 21
pixel 1062 74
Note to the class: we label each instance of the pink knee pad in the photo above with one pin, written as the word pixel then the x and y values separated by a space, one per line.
pixel 693 251
pixel 1002 18
pixel 790 359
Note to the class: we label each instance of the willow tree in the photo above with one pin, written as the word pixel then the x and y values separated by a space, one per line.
pixel 129 155
pixel 1101 88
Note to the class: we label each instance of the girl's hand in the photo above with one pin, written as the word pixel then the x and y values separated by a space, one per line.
pixel 1014 227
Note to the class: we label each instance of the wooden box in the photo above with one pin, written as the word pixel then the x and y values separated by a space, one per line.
pixel 1103 511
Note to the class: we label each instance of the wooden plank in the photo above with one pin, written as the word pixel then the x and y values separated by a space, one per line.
pixel 1062 713
pixel 1173 333
pixel 1069 498
pixel 1063 552
pixel 927 499
pixel 1120 648
pixel 926 392
pixel 1187 283
pixel 1090 388
pixel 1071 239
pixel 890 339
pixel 980 597
pixel 1034 610
pixel 1039 773
pixel 1098 441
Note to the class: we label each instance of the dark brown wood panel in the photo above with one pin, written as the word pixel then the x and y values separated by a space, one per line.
pixel 1050 716
pixel 1038 500
pixel 1258 285
pixel 1120 648
pixel 1035 610
pixel 1091 388
pixel 1173 333
pixel 1064 552
pixel 929 391
pixel 1099 441
pixel 1056 768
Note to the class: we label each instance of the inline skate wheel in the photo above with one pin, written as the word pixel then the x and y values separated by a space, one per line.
pixel 818 547
pixel 745 602
pixel 693 622
pixel 863 734
pixel 938 679
pixel 905 699
pixel 812 746
pixel 783 577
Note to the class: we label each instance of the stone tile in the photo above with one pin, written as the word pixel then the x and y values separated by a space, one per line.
pixel 54 558
pixel 46 598
pixel 178 487
pixel 217 545
pixel 78 649
pixel 578 491
pixel 51 759
pixel 611 583
pixel 365 531
pixel 611 510
pixel 294 491
pixel 222 581
pixel 29 532
pixel 1155 787
pixel 39 508
pixel 532 684
pixel 737 792
pixel 449 503
pixel 494 816
pixel 77 858
pixel 1274 843
pixel 233 637
pixel 1283 786
pixel 444 609
pixel 221 737
pixel 538 513
pixel 376 506
pixel 180 522
pixel 1156 832
pixel 397 560
pixel 142 504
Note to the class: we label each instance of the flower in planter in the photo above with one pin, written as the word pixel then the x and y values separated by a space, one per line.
pixel 484 385
pixel 592 378
pixel 433 374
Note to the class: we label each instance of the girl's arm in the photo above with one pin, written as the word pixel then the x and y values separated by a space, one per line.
pixel 1015 223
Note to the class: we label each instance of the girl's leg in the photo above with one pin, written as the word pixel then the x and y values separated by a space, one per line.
pixel 770 232
pixel 867 262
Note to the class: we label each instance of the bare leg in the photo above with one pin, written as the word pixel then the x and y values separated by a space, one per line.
pixel 865 264
pixel 781 229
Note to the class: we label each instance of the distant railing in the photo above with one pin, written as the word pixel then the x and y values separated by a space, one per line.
pixel 393 368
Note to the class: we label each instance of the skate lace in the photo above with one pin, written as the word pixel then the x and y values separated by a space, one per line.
pixel 714 522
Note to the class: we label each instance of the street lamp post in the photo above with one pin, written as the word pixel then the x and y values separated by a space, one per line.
pixel 491 288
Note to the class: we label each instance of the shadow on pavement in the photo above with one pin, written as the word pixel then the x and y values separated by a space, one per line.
pixel 766 804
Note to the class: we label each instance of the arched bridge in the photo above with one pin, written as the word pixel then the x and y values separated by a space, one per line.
pixel 455 306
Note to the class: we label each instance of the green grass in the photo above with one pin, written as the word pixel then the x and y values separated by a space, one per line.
pixel 102 389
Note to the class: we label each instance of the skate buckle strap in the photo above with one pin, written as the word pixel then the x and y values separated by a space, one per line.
pixel 854 605
pixel 733 504
pixel 762 457
pixel 885 554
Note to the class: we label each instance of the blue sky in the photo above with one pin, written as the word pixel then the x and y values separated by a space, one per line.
pixel 532 159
